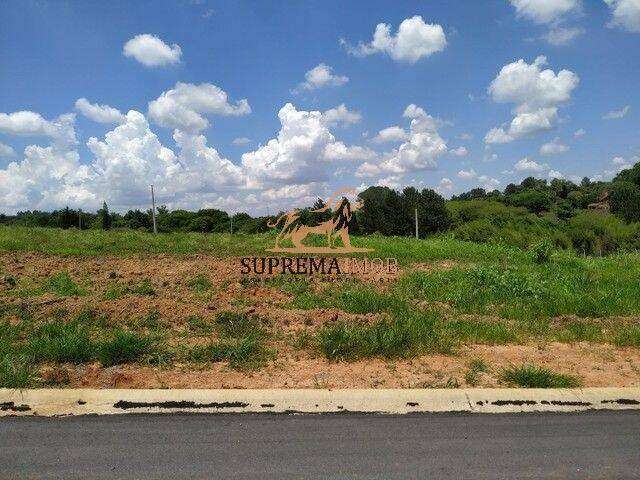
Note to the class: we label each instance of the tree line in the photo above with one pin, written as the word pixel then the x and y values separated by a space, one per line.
pixel 592 217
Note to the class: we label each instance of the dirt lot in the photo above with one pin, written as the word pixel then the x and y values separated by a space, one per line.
pixel 175 299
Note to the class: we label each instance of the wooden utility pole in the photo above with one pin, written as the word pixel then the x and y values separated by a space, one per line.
pixel 79 219
pixel 416 216
pixel 153 211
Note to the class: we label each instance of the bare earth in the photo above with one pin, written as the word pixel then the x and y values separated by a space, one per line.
pixel 597 364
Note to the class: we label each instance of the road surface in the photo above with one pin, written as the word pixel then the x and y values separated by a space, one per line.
pixel 265 446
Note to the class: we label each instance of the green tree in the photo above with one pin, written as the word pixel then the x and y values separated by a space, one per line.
pixel 625 200
pixel 104 217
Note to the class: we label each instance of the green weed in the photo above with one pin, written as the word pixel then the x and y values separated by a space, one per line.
pixel 532 376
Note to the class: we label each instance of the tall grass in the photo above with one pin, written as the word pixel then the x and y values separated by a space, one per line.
pixel 125 242
pixel 61 341
pixel 410 334
pixel 586 288
pixel 532 376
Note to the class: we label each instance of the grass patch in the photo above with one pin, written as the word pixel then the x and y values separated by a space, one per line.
pixel 351 298
pixel 61 341
pixel 406 335
pixel 578 331
pixel 17 372
pixel 236 324
pixel 115 291
pixel 142 289
pixel 63 285
pixel 126 347
pixel 484 332
pixel 126 242
pixel 241 343
pixel 569 286
pixel 627 336
pixel 199 284
pixel 246 352
pixel 532 376
pixel 199 325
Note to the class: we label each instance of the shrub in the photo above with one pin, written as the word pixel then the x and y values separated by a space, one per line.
pixel 480 231
pixel 600 234
pixel 531 376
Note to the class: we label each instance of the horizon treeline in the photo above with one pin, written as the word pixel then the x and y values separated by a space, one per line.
pixel 589 217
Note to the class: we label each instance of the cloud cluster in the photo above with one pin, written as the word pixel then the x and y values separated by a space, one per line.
pixel 300 153
pixel 419 151
pixel 414 40
pixel 320 76
pixel 151 51
pixel 183 107
pixel 6 151
pixel 537 94
pixel 552 13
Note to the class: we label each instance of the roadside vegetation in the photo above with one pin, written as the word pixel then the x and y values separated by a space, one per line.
pixel 532 376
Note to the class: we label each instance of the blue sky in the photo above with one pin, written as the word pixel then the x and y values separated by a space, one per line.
pixel 220 71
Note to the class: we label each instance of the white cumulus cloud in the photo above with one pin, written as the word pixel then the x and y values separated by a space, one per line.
pixel 471 173
pixel 321 76
pixel 300 153
pixel 6 151
pixel 562 35
pixel 545 11
pixel 554 147
pixel 151 51
pixel 414 40
pixel 537 94
pixel 526 165
pixel 460 152
pixel 340 115
pixel 99 113
pixel 183 106
pixel 391 134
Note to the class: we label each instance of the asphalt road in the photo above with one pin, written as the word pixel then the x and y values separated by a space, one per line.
pixel 457 446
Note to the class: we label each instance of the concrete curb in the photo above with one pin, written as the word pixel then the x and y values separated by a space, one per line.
pixel 61 402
